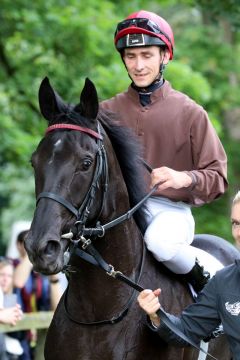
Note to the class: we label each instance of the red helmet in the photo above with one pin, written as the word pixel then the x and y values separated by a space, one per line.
pixel 144 28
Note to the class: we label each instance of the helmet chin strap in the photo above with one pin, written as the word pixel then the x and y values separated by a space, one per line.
pixel 157 82
pixel 145 92
pixel 151 87
pixel 162 68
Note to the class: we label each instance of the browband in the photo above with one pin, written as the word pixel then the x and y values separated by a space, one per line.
pixel 74 127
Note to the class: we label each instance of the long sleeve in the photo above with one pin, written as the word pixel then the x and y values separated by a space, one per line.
pixel 197 321
pixel 209 170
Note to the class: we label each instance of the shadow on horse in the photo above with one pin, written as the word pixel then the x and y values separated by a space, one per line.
pixel 87 174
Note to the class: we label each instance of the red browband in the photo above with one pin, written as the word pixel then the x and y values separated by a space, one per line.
pixel 74 127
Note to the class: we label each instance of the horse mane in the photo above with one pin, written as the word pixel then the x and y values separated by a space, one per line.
pixel 129 154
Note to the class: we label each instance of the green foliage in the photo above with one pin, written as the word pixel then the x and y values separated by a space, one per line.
pixel 214 218
pixel 17 196
pixel 191 82
pixel 227 9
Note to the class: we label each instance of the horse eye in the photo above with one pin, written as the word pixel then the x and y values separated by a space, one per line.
pixel 86 164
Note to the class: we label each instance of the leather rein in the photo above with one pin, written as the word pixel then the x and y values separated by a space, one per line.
pixel 89 252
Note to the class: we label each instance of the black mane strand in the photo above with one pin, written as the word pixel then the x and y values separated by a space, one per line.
pixel 70 116
pixel 128 151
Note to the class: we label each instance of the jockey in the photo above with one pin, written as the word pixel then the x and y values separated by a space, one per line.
pixel 179 143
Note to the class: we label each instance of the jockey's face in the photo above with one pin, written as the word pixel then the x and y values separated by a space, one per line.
pixel 143 63
pixel 235 219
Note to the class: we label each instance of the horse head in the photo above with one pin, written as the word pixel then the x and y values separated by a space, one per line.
pixel 64 165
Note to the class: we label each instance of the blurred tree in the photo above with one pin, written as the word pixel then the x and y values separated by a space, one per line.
pixel 41 39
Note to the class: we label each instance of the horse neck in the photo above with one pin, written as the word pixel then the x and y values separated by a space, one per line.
pixel 121 247
pixel 122 240
pixel 91 290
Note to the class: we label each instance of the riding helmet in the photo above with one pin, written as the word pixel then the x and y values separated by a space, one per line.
pixel 144 28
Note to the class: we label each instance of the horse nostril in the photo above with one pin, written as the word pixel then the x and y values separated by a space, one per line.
pixel 52 248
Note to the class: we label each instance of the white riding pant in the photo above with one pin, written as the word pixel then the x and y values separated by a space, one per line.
pixel 169 236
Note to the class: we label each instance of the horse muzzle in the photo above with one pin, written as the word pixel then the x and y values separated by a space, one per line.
pixel 48 258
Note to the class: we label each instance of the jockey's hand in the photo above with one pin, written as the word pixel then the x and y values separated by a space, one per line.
pixel 149 302
pixel 169 178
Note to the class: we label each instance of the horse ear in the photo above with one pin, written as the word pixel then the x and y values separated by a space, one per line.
pixel 50 102
pixel 88 106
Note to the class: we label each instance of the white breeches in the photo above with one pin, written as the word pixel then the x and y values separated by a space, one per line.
pixel 169 236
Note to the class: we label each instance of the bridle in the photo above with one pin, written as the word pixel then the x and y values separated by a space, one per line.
pixel 100 174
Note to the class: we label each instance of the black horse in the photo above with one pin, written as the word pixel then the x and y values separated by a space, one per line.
pixel 88 173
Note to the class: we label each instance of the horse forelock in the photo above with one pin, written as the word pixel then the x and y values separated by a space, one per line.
pixel 69 116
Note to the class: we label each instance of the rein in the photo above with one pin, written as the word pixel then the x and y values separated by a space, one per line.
pixel 95 258
pixel 92 255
